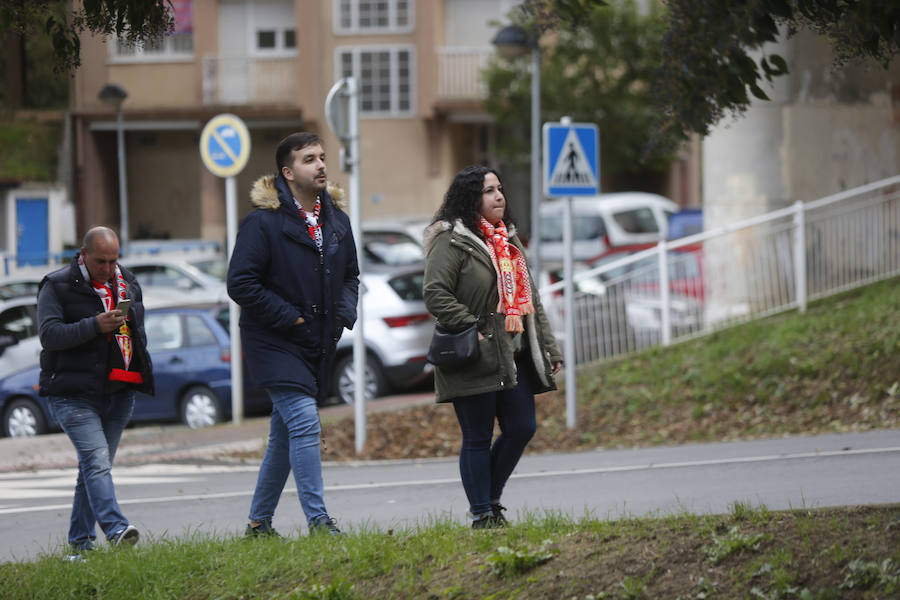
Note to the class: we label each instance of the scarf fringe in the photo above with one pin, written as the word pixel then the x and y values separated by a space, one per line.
pixel 514 324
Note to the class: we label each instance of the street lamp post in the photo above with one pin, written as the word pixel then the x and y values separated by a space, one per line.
pixel 114 95
pixel 513 42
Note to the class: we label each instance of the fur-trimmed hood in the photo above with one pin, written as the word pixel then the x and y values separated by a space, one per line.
pixel 264 194
pixel 437 227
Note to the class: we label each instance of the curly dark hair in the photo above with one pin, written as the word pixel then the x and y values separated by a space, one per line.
pixel 463 199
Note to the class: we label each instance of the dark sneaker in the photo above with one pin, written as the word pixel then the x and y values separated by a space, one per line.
pixel 263 529
pixel 127 537
pixel 497 515
pixel 325 525
pixel 483 521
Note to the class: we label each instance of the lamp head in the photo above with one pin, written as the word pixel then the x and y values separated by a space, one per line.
pixel 112 94
pixel 512 42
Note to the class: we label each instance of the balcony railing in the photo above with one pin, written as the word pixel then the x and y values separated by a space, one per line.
pixel 243 80
pixel 459 72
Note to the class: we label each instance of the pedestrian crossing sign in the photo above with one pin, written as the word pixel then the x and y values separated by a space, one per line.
pixel 571 159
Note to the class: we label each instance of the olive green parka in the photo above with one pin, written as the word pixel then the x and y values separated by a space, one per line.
pixel 460 289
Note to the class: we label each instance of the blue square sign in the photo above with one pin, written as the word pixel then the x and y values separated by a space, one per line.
pixel 571 159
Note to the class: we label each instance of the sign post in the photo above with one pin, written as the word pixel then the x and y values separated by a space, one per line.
pixel 225 149
pixel 571 168
pixel 342 110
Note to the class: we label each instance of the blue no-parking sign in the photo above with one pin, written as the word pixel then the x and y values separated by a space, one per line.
pixel 571 159
pixel 225 145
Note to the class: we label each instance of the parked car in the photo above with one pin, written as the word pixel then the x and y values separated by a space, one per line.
pixel 385 245
pixel 685 222
pixel 19 345
pixel 19 286
pixel 601 222
pixel 180 277
pixel 192 369
pixel 398 330
pixel 398 327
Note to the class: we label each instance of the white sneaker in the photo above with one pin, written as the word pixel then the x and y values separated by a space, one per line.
pixel 127 537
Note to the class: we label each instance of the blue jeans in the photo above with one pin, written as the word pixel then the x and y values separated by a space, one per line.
pixel 485 468
pixel 293 446
pixel 94 424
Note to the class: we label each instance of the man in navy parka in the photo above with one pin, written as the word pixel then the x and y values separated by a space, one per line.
pixel 295 276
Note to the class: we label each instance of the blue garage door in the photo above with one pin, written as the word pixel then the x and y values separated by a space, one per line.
pixel 32 246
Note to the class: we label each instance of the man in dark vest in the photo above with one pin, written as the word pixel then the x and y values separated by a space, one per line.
pixel 93 360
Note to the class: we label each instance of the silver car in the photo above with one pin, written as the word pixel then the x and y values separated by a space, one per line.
pixel 398 330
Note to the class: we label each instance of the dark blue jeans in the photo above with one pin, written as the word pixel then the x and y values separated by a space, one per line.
pixel 94 424
pixel 485 467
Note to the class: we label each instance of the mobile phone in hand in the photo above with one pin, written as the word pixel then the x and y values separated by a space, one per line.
pixel 124 306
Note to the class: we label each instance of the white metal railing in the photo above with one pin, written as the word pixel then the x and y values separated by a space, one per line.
pixel 459 72
pixel 753 268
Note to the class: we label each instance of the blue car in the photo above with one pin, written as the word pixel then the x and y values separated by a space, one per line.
pixel 191 357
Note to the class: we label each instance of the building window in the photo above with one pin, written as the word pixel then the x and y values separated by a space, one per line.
pixel 373 16
pixel 385 76
pixel 179 45
pixel 273 25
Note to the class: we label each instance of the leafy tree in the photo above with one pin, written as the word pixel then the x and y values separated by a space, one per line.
pixel 599 68
pixel 713 59
pixel 131 20
pixel 708 71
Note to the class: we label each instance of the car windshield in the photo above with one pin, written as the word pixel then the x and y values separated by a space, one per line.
pixel 409 286
pixel 392 248
pixel 18 289
pixel 639 220
pixel 583 228
pixel 214 267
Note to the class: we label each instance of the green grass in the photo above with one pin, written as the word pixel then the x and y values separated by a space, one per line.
pixel 29 149
pixel 769 554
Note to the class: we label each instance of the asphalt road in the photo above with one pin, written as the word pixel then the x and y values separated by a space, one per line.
pixel 167 501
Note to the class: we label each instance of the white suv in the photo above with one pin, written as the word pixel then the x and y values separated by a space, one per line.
pixel 599 222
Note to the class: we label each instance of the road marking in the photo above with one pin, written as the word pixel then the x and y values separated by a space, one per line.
pixel 455 480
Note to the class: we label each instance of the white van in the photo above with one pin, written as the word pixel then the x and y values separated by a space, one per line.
pixel 599 222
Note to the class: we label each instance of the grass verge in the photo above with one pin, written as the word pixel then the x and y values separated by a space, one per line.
pixel 751 552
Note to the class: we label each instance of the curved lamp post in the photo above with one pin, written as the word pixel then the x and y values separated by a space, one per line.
pixel 513 42
pixel 114 95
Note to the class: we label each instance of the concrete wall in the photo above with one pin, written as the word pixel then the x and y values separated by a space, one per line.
pixel 824 131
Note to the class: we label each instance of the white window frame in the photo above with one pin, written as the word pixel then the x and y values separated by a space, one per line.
pixel 391 28
pixel 394 49
pixel 167 54
pixel 257 23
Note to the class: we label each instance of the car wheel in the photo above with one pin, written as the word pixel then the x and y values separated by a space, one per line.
pixel 344 379
pixel 23 418
pixel 200 407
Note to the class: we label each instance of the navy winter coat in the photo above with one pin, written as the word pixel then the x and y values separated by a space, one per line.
pixel 276 275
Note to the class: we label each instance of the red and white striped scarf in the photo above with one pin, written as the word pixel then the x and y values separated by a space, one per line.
pixel 110 298
pixel 512 275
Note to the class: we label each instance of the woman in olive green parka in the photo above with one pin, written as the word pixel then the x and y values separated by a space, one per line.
pixel 476 272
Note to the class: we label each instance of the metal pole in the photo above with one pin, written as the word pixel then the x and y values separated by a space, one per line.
pixel 665 301
pixel 123 187
pixel 569 345
pixel 237 354
pixel 359 342
pixel 535 161
pixel 800 255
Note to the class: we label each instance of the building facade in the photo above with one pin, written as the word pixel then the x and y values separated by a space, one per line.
pixel 272 63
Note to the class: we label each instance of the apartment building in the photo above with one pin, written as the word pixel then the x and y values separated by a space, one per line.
pixel 272 63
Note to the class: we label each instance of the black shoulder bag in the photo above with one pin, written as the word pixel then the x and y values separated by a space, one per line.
pixel 453 349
